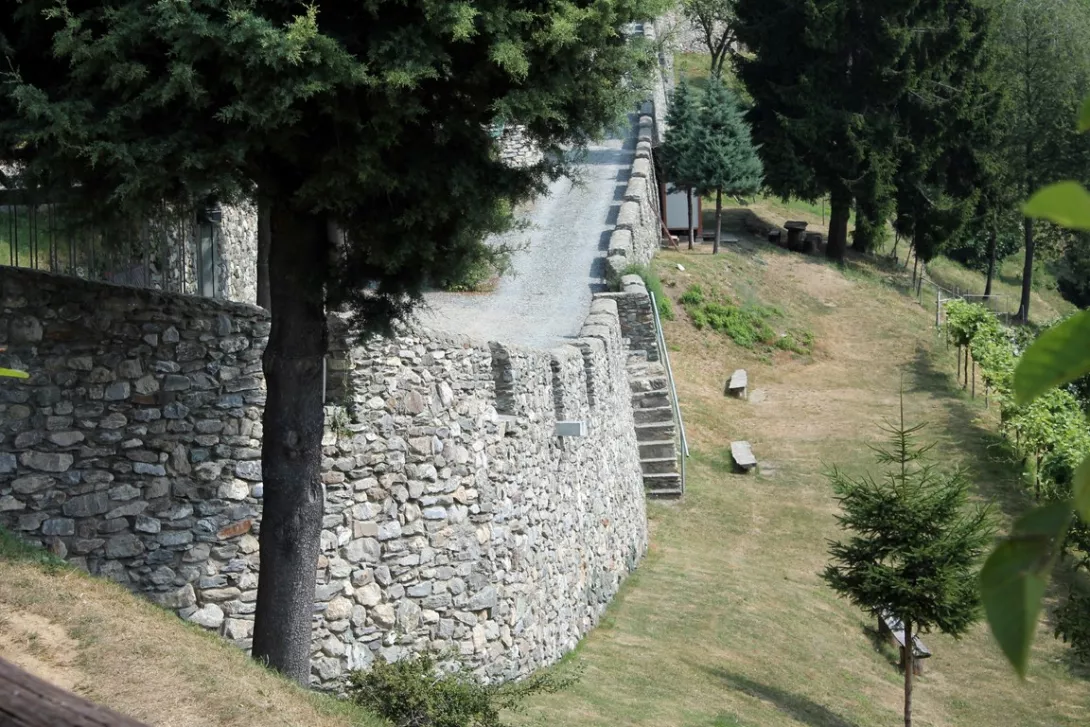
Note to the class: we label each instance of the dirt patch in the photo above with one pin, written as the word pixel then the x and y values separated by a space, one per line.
pixel 39 646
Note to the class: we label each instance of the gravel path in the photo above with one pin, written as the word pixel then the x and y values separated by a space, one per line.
pixel 547 295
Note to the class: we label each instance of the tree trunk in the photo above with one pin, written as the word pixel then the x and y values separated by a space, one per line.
pixel 718 220
pixel 1027 273
pixel 909 659
pixel 841 203
pixel 896 243
pixel 263 252
pixel 689 201
pixel 291 448
pixel 992 244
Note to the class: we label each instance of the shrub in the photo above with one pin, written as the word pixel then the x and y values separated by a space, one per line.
pixel 693 296
pixel 418 692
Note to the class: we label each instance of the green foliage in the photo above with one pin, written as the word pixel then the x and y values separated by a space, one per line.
pixel 378 121
pixel 915 543
pixel 1073 623
pixel 1060 355
pixel 654 285
pixel 418 692
pixel 727 160
pixel 679 153
pixel 748 325
pixel 694 296
pixel 714 19
pixel 11 548
pixel 1065 203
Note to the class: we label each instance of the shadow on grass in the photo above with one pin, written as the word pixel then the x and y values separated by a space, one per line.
pixel 797 707
pixel 992 465
pixel 882 646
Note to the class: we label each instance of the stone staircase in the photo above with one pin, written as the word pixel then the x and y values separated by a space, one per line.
pixel 656 428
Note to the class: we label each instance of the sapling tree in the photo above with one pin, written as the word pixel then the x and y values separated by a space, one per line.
pixel 727 161
pixel 678 153
pixel 715 20
pixel 914 543
pixel 364 128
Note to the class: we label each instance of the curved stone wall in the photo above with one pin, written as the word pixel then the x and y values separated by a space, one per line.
pixel 455 515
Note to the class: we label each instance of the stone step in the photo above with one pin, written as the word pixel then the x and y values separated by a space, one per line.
pixel 659 466
pixel 655 431
pixel 653 450
pixel 662 482
pixel 664 493
pixel 654 415
pixel 654 399
pixel 647 383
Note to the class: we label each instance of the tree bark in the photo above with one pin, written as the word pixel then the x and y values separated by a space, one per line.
pixel 689 201
pixel 263 240
pixel 1027 272
pixel 718 220
pixel 841 203
pixel 909 659
pixel 992 244
pixel 291 453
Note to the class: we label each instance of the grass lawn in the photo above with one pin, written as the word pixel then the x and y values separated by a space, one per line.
pixel 93 637
pixel 726 623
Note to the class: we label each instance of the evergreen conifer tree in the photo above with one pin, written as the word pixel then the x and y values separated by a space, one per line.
pixel 727 161
pixel 678 151
pixel 364 126
pixel 915 544
pixel 825 77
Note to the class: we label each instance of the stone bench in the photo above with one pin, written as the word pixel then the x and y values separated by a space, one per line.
pixel 795 228
pixel 891 627
pixel 739 384
pixel 742 453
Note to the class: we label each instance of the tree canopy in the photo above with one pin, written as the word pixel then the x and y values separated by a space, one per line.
pixel 726 161
pixel 365 127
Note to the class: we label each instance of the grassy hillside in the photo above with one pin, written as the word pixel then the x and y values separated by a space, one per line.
pixel 727 622
pixel 118 650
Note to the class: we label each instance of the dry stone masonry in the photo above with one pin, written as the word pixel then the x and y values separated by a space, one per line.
pixel 455 516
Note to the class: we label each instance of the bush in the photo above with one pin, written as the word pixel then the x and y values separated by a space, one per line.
pixel 693 296
pixel 418 692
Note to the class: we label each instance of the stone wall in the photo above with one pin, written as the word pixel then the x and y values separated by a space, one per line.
pixel 238 245
pixel 134 448
pixel 637 319
pixel 516 149
pixel 637 234
pixel 455 516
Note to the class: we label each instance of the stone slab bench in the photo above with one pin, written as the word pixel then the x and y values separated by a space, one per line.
pixel 891 626
pixel 739 384
pixel 742 453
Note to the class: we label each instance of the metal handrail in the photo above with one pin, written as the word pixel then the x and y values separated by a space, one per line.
pixel 661 341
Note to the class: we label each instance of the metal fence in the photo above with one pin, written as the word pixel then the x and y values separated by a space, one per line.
pixel 173 252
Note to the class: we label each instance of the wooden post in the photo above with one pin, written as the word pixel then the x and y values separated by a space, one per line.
pixel 974 378
pixel 27 701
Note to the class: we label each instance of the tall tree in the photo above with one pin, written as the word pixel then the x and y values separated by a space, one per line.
pixel 825 76
pixel 914 545
pixel 365 128
pixel 728 162
pixel 1044 59
pixel 679 150
pixel 714 19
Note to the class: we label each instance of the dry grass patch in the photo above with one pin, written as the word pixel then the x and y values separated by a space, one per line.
pixel 727 622
pixel 98 640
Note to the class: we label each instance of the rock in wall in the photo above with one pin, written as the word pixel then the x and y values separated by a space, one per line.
pixel 455 516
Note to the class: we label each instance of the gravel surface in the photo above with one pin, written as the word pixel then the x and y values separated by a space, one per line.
pixel 547 294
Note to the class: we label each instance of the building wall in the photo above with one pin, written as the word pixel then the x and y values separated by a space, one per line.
pixel 455 517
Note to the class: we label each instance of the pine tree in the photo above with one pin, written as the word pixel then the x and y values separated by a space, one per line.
pixel 915 543
pixel 678 151
pixel 825 76
pixel 947 128
pixel 727 161
pixel 364 126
